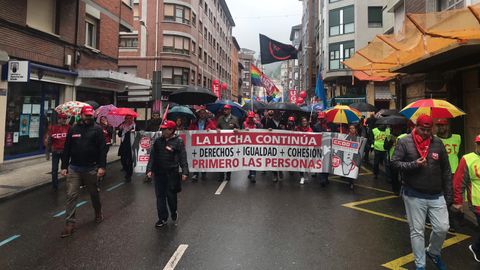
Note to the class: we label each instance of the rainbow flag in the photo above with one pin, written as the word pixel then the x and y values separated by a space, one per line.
pixel 255 75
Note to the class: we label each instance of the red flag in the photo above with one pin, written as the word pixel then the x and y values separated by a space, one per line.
pixel 164 118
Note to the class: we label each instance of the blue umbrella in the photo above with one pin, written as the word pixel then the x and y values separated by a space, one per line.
pixel 312 108
pixel 218 105
pixel 180 111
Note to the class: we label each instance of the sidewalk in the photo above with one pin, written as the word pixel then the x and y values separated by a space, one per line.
pixel 31 176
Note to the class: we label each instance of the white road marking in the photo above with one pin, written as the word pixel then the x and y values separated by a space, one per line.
pixel 176 257
pixel 221 187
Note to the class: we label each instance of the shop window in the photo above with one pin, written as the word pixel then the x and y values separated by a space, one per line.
pixel 176 13
pixel 42 15
pixel 91 32
pixel 176 44
pixel 339 52
pixel 175 75
pixel 342 21
pixel 375 17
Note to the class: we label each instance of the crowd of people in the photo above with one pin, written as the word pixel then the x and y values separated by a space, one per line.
pixel 424 168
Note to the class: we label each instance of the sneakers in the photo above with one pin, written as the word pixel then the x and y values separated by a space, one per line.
pixel 195 178
pixel 98 217
pixel 275 179
pixel 436 260
pixel 227 178
pixel 476 255
pixel 160 223
pixel 175 218
pixel 302 180
pixel 68 230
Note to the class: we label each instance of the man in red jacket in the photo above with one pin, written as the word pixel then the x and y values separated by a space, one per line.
pixel 57 135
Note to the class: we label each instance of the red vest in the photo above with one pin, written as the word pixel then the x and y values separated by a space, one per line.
pixel 58 136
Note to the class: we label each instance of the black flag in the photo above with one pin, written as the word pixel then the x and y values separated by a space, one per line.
pixel 274 51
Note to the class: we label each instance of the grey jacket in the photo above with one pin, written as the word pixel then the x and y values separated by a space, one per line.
pixel 222 122
pixel 435 178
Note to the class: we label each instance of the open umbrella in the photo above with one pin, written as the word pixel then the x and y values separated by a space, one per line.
pixel 342 114
pixel 363 107
pixel 123 112
pixel 192 95
pixel 312 108
pixel 218 105
pixel 436 108
pixel 257 105
pixel 387 112
pixel 180 111
pixel 113 120
pixel 70 108
pixel 283 106
pixel 392 120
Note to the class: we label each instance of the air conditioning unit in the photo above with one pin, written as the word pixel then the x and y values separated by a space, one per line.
pixel 68 60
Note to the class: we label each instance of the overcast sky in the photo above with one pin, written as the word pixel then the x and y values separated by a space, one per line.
pixel 273 18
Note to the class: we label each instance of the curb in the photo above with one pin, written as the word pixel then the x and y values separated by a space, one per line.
pixel 28 189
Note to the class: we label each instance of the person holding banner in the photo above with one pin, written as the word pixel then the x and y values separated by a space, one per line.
pixel 272 121
pixel 227 121
pixel 250 123
pixel 351 136
pixel 166 156
pixel 304 127
pixel 125 149
pixel 202 123
pixel 322 126
pixel 291 124
pixel 427 189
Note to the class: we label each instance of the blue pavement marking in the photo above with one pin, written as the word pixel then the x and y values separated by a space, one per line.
pixel 116 186
pixel 63 212
pixel 10 239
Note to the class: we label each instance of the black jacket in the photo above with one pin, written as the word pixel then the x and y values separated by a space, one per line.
pixel 435 178
pixel 85 146
pixel 168 155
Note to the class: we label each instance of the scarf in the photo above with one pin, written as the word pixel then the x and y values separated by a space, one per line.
pixel 421 144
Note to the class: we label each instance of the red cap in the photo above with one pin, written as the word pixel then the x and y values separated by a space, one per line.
pixel 477 139
pixel 168 125
pixel 227 106
pixel 62 116
pixel 425 121
pixel 87 110
pixel 291 118
pixel 442 121
pixel 321 115
pixel 251 114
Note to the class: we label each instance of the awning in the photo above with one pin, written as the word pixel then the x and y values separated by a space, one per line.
pixel 422 36
pixel 112 81
pixel 346 100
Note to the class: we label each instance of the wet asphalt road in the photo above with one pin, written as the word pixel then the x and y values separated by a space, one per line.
pixel 248 226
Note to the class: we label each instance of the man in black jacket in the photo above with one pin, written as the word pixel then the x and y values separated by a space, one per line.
pixel 427 188
pixel 84 159
pixel 167 154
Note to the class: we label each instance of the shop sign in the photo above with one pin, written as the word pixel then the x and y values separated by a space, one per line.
pixel 18 71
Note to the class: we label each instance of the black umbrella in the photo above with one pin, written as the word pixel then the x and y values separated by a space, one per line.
pixel 283 106
pixel 92 103
pixel 392 120
pixel 257 106
pixel 363 107
pixel 386 112
pixel 192 95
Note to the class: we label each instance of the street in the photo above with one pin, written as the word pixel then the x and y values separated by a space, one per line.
pixel 264 225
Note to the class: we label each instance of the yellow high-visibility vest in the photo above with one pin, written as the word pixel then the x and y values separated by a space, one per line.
pixel 379 138
pixel 473 165
pixel 452 145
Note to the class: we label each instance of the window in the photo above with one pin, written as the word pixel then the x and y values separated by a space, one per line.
pixel 42 15
pixel 194 19
pixel 200 52
pixel 205 32
pixel 194 47
pixel 205 9
pixel 375 19
pixel 176 44
pixel 176 13
pixel 91 31
pixel 193 77
pixel 339 52
pixel 200 27
pixel 175 75
pixel 341 21
pixel 128 41
pixel 205 57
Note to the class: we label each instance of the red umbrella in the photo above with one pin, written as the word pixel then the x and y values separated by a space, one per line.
pixel 123 112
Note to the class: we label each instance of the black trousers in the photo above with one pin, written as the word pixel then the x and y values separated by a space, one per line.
pixel 394 176
pixel 380 157
pixel 127 164
pixel 165 196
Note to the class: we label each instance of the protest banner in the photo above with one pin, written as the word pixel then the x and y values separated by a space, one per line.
pixel 347 154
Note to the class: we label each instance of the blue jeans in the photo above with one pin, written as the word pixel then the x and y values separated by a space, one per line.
pixel 56 158
pixel 417 210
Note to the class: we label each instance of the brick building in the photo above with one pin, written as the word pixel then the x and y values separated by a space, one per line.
pixel 236 68
pixel 71 53
pixel 190 42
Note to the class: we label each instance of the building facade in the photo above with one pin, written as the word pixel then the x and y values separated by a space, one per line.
pixel 236 68
pixel 246 57
pixel 69 51
pixel 190 42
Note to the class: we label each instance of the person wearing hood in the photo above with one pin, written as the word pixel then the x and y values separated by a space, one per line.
pixel 167 155
pixel 83 162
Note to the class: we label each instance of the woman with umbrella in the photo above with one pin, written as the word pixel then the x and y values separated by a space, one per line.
pixel 125 149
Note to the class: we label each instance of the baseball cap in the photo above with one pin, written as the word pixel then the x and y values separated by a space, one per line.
pixel 477 139
pixel 291 118
pixel 251 115
pixel 424 121
pixel 442 121
pixel 322 115
pixel 62 116
pixel 227 106
pixel 168 125
pixel 87 110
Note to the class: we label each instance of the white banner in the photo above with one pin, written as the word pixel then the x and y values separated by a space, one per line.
pixel 262 150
